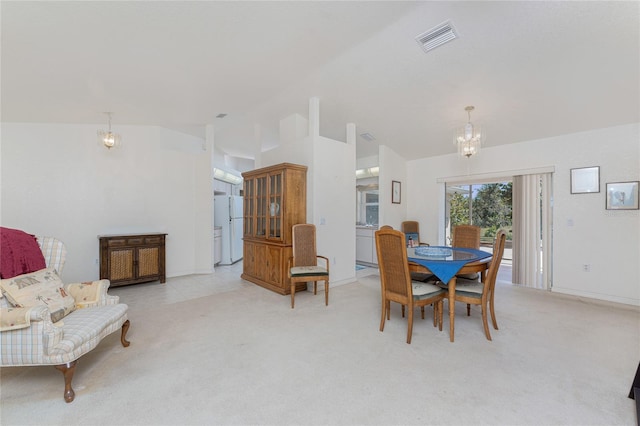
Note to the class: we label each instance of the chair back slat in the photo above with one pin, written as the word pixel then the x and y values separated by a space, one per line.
pixel 304 245
pixel 466 236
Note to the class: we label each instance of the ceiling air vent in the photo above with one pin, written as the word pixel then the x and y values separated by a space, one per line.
pixel 367 137
pixel 437 36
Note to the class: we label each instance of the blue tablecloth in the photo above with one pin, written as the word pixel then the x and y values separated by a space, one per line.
pixel 447 267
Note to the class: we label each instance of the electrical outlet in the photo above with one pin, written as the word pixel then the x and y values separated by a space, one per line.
pixel 586 267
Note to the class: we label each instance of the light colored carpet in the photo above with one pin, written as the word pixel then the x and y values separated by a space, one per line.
pixel 240 355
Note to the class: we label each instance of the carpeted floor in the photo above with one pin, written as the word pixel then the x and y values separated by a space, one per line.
pixel 213 349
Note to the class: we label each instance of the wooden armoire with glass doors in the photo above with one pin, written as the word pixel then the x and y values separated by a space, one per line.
pixel 275 199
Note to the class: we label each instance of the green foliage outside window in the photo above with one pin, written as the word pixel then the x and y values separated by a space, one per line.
pixel 491 207
pixel 459 209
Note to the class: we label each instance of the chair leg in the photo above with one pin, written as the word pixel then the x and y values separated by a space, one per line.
pixel 410 326
pixel 388 306
pixel 468 309
pixel 440 313
pixel 67 371
pixel 384 313
pixel 315 288
pixel 402 311
pixel 493 313
pixel 123 335
pixel 326 292
pixel 293 293
pixel 422 311
pixel 484 321
pixel 436 312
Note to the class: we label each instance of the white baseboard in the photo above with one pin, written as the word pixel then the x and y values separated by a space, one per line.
pixel 598 296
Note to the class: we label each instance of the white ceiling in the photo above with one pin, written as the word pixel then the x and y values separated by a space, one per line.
pixel 531 69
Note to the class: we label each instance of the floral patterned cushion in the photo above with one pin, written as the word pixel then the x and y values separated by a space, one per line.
pixel 42 287
pixel 85 293
pixel 14 318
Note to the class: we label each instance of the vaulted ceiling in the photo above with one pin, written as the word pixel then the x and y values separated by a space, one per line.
pixel 531 69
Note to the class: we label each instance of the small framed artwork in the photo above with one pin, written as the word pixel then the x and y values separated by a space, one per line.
pixel 395 192
pixel 585 180
pixel 622 195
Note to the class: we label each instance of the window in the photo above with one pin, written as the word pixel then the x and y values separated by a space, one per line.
pixel 367 205
pixel 371 207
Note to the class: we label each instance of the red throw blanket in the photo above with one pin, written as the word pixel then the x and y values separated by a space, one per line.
pixel 19 253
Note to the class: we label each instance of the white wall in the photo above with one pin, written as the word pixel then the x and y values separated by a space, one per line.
pixel 366 162
pixel 583 231
pixel 392 168
pixel 334 206
pixel 57 181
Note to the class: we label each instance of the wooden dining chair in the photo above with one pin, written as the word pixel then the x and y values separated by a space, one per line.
pixel 412 228
pixel 482 293
pixel 304 265
pixel 466 236
pixel 396 284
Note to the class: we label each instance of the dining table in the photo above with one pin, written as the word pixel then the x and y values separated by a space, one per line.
pixel 445 263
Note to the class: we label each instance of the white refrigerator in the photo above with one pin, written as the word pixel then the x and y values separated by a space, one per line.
pixel 227 213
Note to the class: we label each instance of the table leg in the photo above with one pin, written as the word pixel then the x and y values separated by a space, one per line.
pixel 452 306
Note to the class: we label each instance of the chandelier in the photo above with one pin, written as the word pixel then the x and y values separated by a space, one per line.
pixel 469 138
pixel 109 139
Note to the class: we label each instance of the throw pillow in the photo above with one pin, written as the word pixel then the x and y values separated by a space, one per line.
pixel 84 293
pixel 43 287
pixel 14 318
pixel 20 253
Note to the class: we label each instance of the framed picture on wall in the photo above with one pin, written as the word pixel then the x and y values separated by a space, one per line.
pixel 622 196
pixel 395 192
pixel 585 180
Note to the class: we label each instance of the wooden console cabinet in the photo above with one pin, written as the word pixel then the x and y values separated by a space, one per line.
pixel 132 258
pixel 275 199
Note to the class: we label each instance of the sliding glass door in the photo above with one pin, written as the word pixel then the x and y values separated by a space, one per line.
pixel 487 205
pixel 522 206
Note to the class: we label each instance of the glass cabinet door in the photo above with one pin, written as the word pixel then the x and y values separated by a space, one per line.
pixel 248 201
pixel 275 206
pixel 261 206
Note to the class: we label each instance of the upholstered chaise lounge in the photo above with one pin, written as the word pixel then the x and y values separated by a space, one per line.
pixel 30 337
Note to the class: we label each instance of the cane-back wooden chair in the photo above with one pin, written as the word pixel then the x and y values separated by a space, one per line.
pixel 482 293
pixel 304 265
pixel 466 236
pixel 411 228
pixel 396 283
